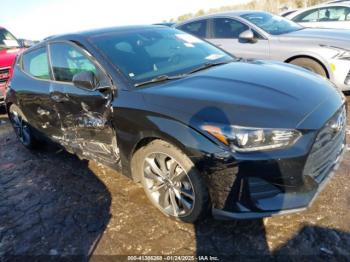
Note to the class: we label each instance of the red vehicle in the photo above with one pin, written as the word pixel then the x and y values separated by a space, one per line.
pixel 9 48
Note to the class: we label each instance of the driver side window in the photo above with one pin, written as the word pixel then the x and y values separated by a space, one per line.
pixel 228 28
pixel 67 61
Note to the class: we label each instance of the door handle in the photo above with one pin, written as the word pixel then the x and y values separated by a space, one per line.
pixel 58 98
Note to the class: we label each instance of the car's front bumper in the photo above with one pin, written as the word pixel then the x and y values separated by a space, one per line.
pixel 2 93
pixel 259 185
pixel 301 200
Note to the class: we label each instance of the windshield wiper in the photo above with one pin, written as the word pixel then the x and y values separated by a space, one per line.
pixel 163 78
pixel 208 65
pixel 159 79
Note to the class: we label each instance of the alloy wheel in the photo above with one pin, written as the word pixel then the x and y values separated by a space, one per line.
pixel 168 185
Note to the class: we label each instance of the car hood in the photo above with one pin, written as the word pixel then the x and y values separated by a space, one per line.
pixel 321 34
pixel 7 56
pixel 255 94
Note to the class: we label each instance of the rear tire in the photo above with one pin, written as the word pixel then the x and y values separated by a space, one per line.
pixel 22 128
pixel 171 181
pixel 310 65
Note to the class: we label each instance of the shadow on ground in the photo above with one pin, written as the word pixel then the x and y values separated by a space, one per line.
pixel 247 240
pixel 45 210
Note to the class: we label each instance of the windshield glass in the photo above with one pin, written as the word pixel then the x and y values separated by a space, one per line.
pixel 7 40
pixel 145 54
pixel 272 24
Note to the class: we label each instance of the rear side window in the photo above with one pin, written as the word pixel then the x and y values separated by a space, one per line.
pixel 66 61
pixel 228 28
pixel 308 16
pixel 35 63
pixel 198 28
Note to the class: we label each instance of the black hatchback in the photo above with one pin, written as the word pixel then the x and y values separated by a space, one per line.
pixel 204 132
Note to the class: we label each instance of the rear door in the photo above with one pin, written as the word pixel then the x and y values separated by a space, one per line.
pixel 225 34
pixel 85 114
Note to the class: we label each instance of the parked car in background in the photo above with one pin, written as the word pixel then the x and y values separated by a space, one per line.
pixel 261 35
pixel 338 1
pixel 288 12
pixel 203 131
pixel 170 24
pixel 323 16
pixel 9 48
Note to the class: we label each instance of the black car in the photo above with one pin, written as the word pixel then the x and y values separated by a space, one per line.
pixel 202 131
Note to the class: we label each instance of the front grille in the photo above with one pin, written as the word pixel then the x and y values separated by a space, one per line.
pixel 4 77
pixel 347 79
pixel 327 147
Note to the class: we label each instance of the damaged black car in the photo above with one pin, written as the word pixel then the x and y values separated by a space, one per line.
pixel 204 132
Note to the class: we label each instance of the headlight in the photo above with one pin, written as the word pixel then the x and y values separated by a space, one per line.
pixel 248 139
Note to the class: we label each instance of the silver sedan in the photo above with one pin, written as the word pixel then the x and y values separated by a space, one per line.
pixel 261 35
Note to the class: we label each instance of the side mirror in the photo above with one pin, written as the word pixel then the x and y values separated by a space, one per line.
pixel 25 43
pixel 247 36
pixel 85 79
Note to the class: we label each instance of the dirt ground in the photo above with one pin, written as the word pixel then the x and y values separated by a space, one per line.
pixel 52 203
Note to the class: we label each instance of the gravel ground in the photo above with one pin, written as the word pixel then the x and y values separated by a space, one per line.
pixel 52 203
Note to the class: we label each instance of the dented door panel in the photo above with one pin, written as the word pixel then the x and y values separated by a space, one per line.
pixel 86 124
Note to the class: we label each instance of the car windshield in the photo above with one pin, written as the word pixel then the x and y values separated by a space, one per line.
pixel 146 54
pixel 272 24
pixel 7 40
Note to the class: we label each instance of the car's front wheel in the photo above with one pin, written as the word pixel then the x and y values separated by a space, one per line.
pixel 171 181
pixel 21 127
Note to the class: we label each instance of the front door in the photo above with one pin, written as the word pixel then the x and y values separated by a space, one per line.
pixel 225 34
pixel 86 115
pixel 38 108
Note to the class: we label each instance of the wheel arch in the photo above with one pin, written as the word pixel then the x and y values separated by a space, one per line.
pixel 312 58
pixel 194 144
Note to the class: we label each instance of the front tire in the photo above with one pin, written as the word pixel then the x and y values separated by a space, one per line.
pixel 171 181
pixel 310 65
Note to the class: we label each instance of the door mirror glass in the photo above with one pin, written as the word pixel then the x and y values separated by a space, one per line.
pixel 25 43
pixel 85 79
pixel 247 36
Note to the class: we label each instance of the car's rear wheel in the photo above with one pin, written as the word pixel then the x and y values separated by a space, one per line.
pixel 311 65
pixel 21 127
pixel 171 181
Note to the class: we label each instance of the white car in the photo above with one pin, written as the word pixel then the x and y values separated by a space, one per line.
pixel 323 16
pixel 261 35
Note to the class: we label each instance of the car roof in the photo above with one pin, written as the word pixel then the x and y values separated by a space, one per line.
pixel 326 5
pixel 347 4
pixel 223 14
pixel 104 31
pixel 337 2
